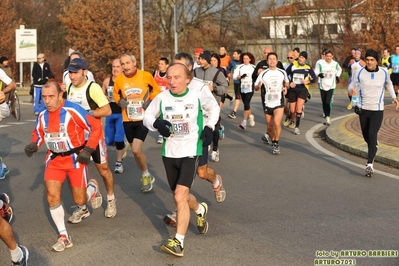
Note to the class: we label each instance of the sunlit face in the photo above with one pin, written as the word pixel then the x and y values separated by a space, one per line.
pixel 222 50
pixel 272 61
pixel 128 65
pixel 353 52
pixel 203 62
pixel 78 78
pixel 162 66
pixel 266 51
pixel 236 56
pixel 116 67
pixel 40 60
pixel 177 79
pixel 246 60
pixel 385 53
pixel 301 60
pixel 196 57
pixel 371 63
pixel 290 56
pixel 328 57
pixel 357 56
pixel 296 54
pixel 397 50
pixel 214 62
pixel 52 98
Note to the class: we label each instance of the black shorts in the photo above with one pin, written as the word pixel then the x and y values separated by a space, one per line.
pixel 180 171
pixel 135 130
pixel 270 111
pixel 395 79
pixel 294 94
pixel 237 90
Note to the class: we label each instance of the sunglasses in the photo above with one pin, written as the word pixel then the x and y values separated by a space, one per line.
pixel 290 58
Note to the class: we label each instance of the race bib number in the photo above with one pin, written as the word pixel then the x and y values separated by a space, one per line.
pixel 180 128
pixel 110 93
pixel 395 68
pixel 298 78
pixel 135 110
pixel 329 75
pixel 246 85
pixel 56 142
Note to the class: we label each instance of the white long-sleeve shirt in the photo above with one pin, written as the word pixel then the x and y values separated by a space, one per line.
pixel 371 87
pixel 185 113
pixel 331 71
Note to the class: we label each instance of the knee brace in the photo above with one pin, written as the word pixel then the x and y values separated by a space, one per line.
pixel 120 145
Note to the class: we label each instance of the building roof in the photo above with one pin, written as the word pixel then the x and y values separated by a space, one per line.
pixel 303 7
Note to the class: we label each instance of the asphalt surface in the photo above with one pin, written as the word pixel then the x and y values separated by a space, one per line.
pixel 280 209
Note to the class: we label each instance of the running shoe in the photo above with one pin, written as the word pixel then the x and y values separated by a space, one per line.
pixel 266 139
pixel 276 149
pixel 251 120
pixel 232 115
pixel 3 169
pixel 96 199
pixel 160 139
pixel 62 243
pixel 220 192
pixel 6 210
pixel 118 168
pixel 243 125
pixel 215 156
pixel 287 122
pixel 349 106
pixel 110 211
pixel 369 170
pixel 173 247
pixel 292 125
pixel 297 131
pixel 328 121
pixel 78 215
pixel 25 256
pixel 170 219
pixel 147 181
pixel 221 132
pixel 202 223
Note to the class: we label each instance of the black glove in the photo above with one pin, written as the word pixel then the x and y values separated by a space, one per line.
pixel 321 75
pixel 123 103
pixel 30 149
pixel 84 155
pixel 163 127
pixel 337 80
pixel 243 76
pixel 206 136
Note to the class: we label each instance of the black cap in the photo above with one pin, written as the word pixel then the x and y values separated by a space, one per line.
pixel 2 59
pixel 206 55
pixel 372 53
pixel 304 54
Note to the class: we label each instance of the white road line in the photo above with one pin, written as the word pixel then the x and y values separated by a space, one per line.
pixel 310 139
pixel 4 126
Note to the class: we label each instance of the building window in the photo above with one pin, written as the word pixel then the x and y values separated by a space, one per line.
pixel 295 30
pixel 332 28
pixel 317 30
pixel 287 30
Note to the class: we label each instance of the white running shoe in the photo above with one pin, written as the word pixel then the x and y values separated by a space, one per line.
pixel 243 125
pixel 96 199
pixel 118 168
pixel 297 131
pixel 215 156
pixel 160 139
pixel 110 211
pixel 251 120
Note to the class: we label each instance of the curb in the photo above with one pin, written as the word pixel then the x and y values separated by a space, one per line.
pixel 340 137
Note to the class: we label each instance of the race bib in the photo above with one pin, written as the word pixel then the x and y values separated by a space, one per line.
pixel 246 85
pixel 395 68
pixel 180 128
pixel 110 93
pixel 56 142
pixel 135 110
pixel 298 78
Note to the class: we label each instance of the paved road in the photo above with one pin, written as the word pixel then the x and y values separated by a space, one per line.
pixel 279 210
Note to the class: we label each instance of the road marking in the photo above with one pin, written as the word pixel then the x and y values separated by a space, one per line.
pixel 310 139
pixel 4 126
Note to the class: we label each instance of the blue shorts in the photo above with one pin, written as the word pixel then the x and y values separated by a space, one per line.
pixel 114 131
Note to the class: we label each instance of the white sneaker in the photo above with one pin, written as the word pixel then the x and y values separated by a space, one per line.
pixel 251 120
pixel 266 139
pixel 328 121
pixel 118 168
pixel 110 211
pixel 296 131
pixel 215 156
pixel 96 199
pixel 369 170
pixel 160 139
pixel 243 125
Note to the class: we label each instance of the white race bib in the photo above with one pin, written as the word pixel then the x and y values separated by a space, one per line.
pixel 135 110
pixel 56 142
pixel 246 85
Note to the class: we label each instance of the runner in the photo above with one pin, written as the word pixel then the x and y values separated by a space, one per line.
pixel 61 127
pixel 187 133
pixel 300 75
pixel 90 96
pixel 275 82
pixel 160 77
pixel 114 132
pixel 133 91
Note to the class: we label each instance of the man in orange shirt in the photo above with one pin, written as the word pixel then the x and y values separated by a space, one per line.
pixel 134 89
pixel 225 59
